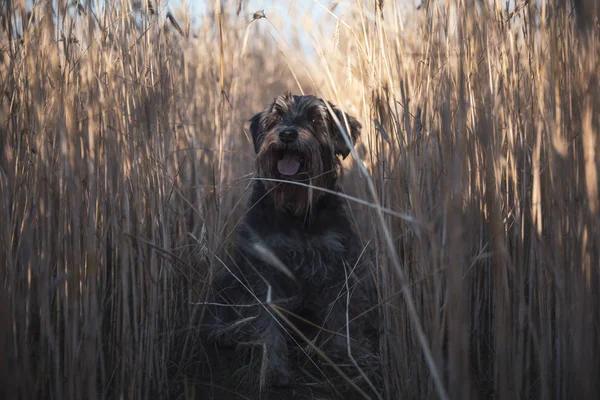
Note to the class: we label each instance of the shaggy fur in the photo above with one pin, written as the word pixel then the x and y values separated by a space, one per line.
pixel 296 245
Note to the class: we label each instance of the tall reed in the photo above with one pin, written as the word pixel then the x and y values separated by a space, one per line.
pixel 124 163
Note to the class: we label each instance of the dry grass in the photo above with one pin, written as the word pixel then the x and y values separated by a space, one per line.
pixel 122 149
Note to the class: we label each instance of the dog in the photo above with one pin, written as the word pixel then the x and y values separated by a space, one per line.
pixel 296 245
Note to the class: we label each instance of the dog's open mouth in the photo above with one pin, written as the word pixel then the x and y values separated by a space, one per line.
pixel 289 163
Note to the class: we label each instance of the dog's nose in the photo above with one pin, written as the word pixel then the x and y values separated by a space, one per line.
pixel 288 135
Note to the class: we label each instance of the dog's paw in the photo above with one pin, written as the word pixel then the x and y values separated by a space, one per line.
pixel 225 342
pixel 282 379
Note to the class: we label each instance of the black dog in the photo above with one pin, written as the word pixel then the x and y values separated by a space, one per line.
pixel 296 245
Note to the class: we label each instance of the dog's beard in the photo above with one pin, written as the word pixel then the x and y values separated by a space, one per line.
pixel 304 162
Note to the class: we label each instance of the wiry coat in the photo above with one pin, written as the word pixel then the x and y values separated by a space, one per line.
pixel 296 246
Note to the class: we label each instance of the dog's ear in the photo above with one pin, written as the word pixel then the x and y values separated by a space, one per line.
pixel 341 148
pixel 256 130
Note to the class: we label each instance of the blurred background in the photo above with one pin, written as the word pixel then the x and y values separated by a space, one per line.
pixel 125 163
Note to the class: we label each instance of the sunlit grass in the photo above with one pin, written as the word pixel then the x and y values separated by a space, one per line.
pixel 124 164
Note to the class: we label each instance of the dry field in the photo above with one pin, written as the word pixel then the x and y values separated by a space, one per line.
pixel 124 164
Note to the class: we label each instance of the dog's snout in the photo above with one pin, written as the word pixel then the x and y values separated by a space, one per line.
pixel 288 135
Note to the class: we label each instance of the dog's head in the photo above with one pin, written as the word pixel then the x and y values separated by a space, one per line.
pixel 297 138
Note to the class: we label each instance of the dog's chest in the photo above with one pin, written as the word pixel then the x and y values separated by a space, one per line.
pixel 315 257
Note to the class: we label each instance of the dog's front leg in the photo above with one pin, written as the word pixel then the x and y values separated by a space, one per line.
pixel 337 339
pixel 333 319
pixel 275 368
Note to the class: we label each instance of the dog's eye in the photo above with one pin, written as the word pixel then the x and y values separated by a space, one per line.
pixel 315 119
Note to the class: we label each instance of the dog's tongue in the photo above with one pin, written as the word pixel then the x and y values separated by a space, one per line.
pixel 289 164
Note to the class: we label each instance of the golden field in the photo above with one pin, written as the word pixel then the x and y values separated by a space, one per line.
pixel 125 161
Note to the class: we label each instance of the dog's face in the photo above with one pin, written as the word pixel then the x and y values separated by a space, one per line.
pixel 297 139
